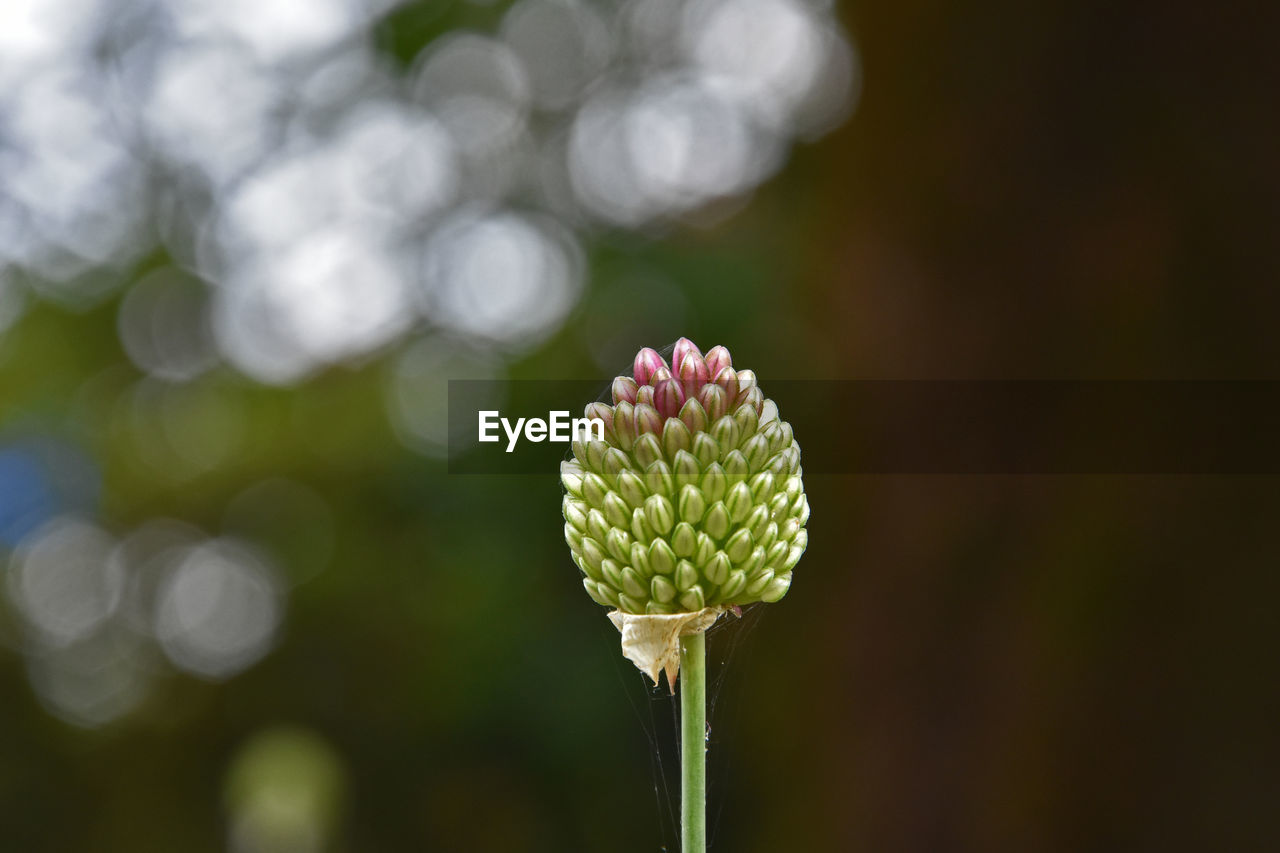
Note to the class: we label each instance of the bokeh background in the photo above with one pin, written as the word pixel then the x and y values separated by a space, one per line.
pixel 243 246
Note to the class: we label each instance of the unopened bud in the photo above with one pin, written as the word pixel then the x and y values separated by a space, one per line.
pixel 624 390
pixel 647 361
pixel 717 359
pixel 668 397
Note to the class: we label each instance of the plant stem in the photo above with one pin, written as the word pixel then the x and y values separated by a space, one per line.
pixel 693 743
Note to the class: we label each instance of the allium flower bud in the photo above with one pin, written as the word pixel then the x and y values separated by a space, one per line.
pixel 684 347
pixel 647 361
pixel 624 389
pixel 717 359
pixel 695 498
pixel 668 396
pixel 693 373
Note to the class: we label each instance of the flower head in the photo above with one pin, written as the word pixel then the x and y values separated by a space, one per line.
pixel 694 498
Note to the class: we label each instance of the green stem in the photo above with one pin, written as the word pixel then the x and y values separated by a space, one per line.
pixel 693 743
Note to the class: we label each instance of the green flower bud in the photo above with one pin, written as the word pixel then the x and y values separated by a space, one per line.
pixel 631 489
pixel 685 467
pixel 779 507
pixel 615 462
pixel 803 515
pixel 762 486
pixel 612 574
pixel 739 503
pixel 661 516
pixel 618 544
pixel 640 559
pixel 633 585
pixel 616 510
pixel 593 591
pixel 757 584
pixel 571 476
pixel 717 522
pixel 594 489
pixel 686 576
pixel 757 452
pixel 714 401
pixel 659 480
pixel 777 554
pixel 748 422
pixel 627 604
pixel 754 562
pixel 693 600
pixel 715 483
pixel 640 527
pixel 664 591
pixel 592 556
pixel 646 451
pixel 733 587
pixel 575 512
pixel 603 593
pixel 726 432
pixel 767 536
pixel 597 525
pixel 595 451
pixel 676 437
pixel 661 557
pixel 684 541
pixel 706 548
pixel 757 521
pixel 793 557
pixel 718 568
pixel 739 545
pixel 736 468
pixel 777 588
pixel 624 425
pixel 694 416
pixel 705 450
pixel 692 505
pixel 694 498
pixel 573 537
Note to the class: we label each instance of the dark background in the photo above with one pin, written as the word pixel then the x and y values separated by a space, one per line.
pixel 965 662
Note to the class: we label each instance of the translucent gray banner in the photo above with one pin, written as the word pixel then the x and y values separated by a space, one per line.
pixel 930 427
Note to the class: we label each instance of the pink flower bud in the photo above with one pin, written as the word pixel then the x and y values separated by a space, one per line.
pixel 603 412
pixel 693 373
pixel 668 397
pixel 717 359
pixel 684 347
pixel 727 378
pixel 714 400
pixel 647 361
pixel 644 394
pixel 659 375
pixel 624 390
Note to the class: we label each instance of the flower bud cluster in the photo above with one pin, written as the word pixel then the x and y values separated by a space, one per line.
pixel 695 496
